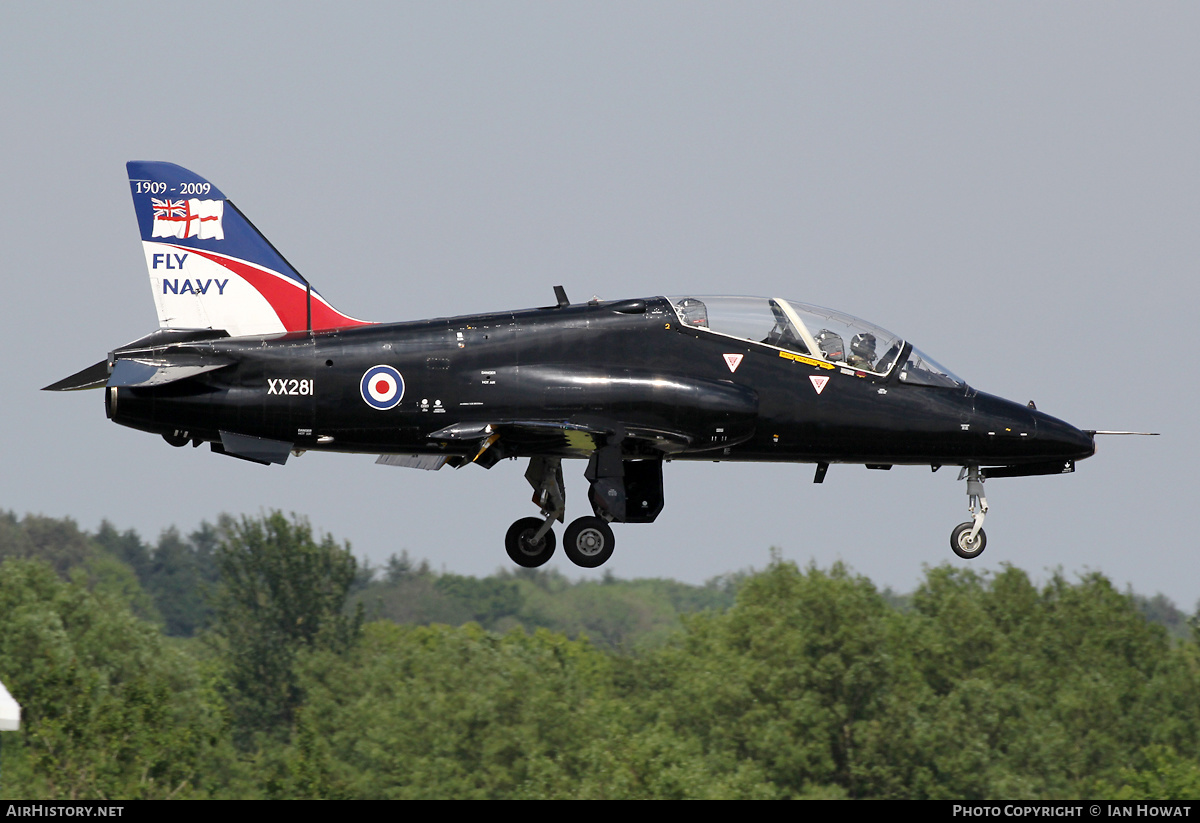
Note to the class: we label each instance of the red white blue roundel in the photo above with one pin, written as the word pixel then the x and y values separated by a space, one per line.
pixel 382 387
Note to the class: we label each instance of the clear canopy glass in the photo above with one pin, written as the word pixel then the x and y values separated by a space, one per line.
pixel 813 331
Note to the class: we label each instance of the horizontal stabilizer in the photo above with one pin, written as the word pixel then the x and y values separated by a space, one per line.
pixel 165 337
pixel 152 372
pixel 254 449
pixel 428 462
pixel 93 377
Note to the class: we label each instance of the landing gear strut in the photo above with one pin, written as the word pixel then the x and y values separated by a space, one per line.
pixel 588 541
pixel 530 541
pixel 968 539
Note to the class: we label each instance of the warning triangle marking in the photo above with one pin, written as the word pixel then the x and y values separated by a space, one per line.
pixel 818 382
pixel 732 361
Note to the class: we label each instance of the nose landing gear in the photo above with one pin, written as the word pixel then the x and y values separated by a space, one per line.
pixel 968 539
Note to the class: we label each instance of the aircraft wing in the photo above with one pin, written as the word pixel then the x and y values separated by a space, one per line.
pixel 560 437
pixel 528 437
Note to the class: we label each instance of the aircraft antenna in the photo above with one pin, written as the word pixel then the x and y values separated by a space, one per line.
pixel 1143 434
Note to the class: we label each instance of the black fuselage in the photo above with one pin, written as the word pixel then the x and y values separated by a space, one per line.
pixel 629 364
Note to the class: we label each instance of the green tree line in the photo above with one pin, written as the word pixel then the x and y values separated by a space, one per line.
pixel 256 658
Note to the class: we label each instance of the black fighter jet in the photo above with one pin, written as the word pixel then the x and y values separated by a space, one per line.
pixel 250 359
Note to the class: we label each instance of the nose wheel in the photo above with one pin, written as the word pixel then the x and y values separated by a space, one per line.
pixel 968 539
pixel 963 544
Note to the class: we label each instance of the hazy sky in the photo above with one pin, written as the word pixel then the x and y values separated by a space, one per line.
pixel 1014 187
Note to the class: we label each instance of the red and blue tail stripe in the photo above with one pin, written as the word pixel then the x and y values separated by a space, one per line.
pixel 210 267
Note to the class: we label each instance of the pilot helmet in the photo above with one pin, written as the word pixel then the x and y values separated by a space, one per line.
pixel 831 345
pixel 693 312
pixel 863 345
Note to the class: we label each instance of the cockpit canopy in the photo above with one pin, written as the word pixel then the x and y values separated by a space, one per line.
pixel 812 331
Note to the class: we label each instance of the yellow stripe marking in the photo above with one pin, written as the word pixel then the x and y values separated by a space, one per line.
pixel 802 358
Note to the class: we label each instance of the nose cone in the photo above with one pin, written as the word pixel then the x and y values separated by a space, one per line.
pixel 1015 434
pixel 1059 439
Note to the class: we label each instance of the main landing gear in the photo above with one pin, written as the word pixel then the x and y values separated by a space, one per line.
pixel 587 542
pixel 621 491
pixel 968 539
pixel 529 542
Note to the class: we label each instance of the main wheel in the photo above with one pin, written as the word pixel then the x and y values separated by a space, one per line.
pixel 588 542
pixel 518 542
pixel 963 546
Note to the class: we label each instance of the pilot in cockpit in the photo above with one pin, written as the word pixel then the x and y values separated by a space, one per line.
pixel 693 312
pixel 862 351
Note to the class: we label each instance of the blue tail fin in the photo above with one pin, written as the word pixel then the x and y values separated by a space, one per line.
pixel 210 267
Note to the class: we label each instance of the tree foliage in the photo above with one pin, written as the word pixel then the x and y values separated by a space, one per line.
pixel 990 687
pixel 166 583
pixel 785 683
pixel 613 614
pixel 108 705
pixel 280 591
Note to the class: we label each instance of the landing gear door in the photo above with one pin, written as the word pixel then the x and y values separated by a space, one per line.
pixel 642 487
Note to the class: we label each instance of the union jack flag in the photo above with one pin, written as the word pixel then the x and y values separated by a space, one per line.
pixel 188 218
pixel 168 208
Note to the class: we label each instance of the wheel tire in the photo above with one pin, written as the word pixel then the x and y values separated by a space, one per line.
pixel 588 542
pixel 523 552
pixel 964 549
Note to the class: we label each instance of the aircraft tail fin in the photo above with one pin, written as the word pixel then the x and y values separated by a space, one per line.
pixel 210 268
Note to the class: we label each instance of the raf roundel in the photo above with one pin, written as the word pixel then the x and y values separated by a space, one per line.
pixel 382 387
